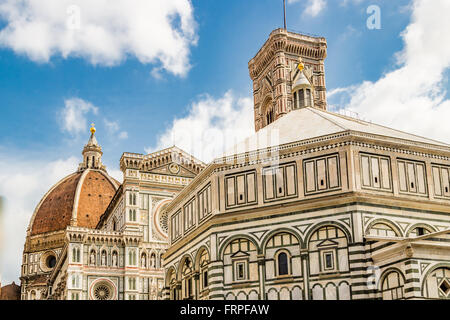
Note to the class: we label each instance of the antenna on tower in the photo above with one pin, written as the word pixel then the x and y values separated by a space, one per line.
pixel 284 12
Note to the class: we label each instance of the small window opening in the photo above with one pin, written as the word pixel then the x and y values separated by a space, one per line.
pixel 376 180
pixel 446 189
pixel 240 271
pixel 205 279
pixel 412 185
pixel 51 262
pixel 445 287
pixel 321 182
pixel 241 197
pixel 280 190
pixel 420 231
pixel 328 260
pixel 283 264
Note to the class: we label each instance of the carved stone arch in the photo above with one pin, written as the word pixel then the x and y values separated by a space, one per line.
pixel 238 236
pixel 333 287
pixel 242 294
pixel 273 294
pixel 319 225
pixel 277 231
pixel 430 228
pixel 386 273
pixel 296 293
pixel 198 255
pixel 253 293
pixel 397 230
pixel 339 286
pixel 266 89
pixel 444 265
pixel 169 274
pixel 390 293
pixel 180 266
pixel 230 296
pixel 317 291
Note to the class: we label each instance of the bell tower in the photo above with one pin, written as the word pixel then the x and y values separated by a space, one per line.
pixel 286 60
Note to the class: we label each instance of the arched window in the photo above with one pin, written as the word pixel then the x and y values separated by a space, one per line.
pixel 202 265
pixel 392 286
pixel 76 254
pixel 420 230
pixel 132 215
pixel 328 251
pixel 242 252
pixel 33 295
pixel 75 281
pixel 283 261
pixel 270 116
pixel 132 257
pixel 283 266
pixel 132 283
pixel 172 284
pixel 187 280
pixel 382 229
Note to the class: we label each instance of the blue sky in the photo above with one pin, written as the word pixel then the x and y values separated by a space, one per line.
pixel 139 93
pixel 229 34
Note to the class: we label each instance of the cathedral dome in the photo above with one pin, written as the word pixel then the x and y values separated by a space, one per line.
pixel 78 199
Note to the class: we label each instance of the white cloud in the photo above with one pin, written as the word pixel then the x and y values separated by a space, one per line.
pixel 123 135
pixel 314 7
pixel 73 115
pixel 113 128
pixel 103 32
pixel 211 127
pixel 413 96
pixel 23 183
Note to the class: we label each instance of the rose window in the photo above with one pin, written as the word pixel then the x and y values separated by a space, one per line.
pixel 102 292
pixel 163 222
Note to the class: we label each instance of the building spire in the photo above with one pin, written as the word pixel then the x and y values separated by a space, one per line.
pixel 92 153
pixel 284 12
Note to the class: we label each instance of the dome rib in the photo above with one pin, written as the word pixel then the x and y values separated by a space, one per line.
pixel 82 196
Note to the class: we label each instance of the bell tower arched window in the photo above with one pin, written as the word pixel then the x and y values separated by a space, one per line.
pixel 270 117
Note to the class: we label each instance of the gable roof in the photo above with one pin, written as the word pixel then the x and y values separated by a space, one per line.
pixel 308 123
